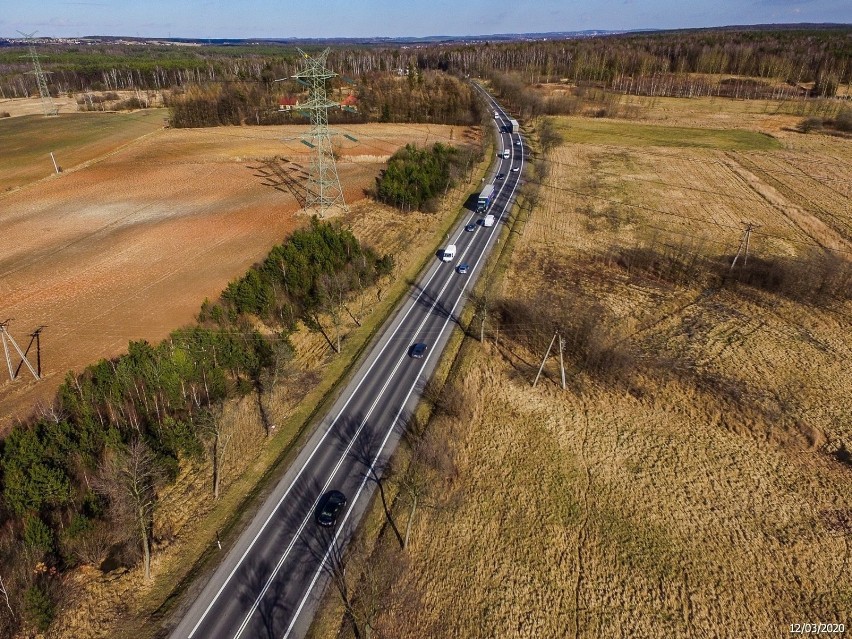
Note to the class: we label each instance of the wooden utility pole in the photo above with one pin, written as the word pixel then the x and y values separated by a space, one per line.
pixel 561 361
pixel 544 359
pixel 744 244
pixel 7 338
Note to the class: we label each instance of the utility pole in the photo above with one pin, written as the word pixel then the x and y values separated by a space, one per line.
pixel 41 78
pixel 544 359
pixel 561 361
pixel 744 244
pixel 323 189
pixel 6 339
pixel 36 334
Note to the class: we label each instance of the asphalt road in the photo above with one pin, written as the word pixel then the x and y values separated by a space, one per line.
pixel 271 580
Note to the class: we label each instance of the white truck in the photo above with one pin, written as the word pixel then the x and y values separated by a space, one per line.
pixel 488 221
pixel 512 127
pixel 449 253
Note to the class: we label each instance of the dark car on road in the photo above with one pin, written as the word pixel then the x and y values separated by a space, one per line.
pixel 463 268
pixel 500 176
pixel 329 508
pixel 418 350
pixel 470 227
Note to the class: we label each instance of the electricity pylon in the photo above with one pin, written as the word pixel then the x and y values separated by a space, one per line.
pixel 46 100
pixel 323 188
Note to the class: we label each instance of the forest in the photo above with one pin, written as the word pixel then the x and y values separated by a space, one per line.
pixel 80 479
pixel 641 63
pixel 422 96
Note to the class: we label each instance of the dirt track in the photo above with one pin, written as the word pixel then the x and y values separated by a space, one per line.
pixel 127 247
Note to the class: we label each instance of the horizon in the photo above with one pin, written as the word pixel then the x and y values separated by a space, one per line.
pixel 264 20
pixel 804 25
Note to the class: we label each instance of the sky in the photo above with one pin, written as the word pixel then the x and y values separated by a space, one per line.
pixel 367 18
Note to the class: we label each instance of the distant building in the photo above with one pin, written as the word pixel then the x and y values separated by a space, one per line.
pixel 351 102
pixel 286 103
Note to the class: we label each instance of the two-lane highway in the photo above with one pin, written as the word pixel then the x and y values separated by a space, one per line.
pixel 272 579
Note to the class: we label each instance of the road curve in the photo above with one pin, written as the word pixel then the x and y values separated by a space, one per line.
pixel 270 582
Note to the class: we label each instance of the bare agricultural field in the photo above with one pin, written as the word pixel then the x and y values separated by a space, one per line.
pixel 74 138
pixel 693 479
pixel 128 246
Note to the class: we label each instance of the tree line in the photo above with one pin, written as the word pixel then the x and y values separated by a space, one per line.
pixel 422 96
pixel 797 55
pixel 81 479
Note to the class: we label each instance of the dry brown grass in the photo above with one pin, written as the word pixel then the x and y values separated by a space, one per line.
pixel 700 491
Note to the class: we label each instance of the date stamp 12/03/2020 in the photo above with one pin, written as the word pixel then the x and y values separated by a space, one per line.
pixel 817 628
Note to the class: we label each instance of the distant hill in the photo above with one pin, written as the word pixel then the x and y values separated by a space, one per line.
pixel 414 41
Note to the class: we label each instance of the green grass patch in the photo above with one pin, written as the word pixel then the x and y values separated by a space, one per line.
pixel 589 131
pixel 26 142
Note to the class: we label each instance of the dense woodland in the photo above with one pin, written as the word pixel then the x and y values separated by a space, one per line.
pixel 80 480
pixel 641 63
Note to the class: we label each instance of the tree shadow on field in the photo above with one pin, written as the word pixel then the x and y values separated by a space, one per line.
pixel 282 175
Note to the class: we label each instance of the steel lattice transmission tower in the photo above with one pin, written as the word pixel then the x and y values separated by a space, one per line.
pixel 323 189
pixel 41 77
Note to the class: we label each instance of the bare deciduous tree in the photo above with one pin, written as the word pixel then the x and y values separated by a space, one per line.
pixel 128 479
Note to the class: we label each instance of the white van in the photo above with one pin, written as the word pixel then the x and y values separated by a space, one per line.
pixel 449 253
pixel 488 221
pixel 506 154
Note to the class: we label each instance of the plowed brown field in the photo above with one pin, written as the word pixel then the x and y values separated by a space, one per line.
pixel 128 244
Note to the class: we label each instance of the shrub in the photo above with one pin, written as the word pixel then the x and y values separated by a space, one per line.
pixel 843 121
pixel 811 124
pixel 38 607
pixel 38 536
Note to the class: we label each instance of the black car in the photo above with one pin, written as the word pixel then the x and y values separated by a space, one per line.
pixel 463 268
pixel 329 507
pixel 499 176
pixel 470 227
pixel 418 350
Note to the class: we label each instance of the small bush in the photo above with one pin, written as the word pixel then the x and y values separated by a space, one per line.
pixel 843 122
pixel 38 607
pixel 810 124
pixel 38 536
pixel 5 114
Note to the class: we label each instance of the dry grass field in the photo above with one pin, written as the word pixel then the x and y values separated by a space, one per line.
pixel 694 482
pixel 126 244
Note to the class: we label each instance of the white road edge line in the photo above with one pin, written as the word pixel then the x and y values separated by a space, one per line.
pixel 310 457
pixel 390 430
pixel 340 461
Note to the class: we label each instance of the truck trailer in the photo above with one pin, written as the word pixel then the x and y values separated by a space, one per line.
pixel 484 199
pixel 513 127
